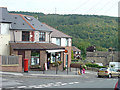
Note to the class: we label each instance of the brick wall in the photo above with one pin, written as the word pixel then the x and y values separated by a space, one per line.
pixel 12 68
pixel 28 56
pixel 43 58
pixel 13 52
pixel 69 56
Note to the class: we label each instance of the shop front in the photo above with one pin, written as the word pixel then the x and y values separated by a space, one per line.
pixel 41 56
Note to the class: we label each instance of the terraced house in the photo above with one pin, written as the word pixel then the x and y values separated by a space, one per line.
pixel 41 44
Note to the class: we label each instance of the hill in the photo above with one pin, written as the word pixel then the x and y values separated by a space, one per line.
pixel 86 30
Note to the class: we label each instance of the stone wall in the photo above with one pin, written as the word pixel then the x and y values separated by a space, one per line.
pixel 104 58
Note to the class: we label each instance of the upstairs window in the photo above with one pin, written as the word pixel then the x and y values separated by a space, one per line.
pixel 58 41
pixel 25 36
pixel 66 43
pixel 41 36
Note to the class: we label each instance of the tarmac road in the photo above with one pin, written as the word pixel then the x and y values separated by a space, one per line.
pixel 88 80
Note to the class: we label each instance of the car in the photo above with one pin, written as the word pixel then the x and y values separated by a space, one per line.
pixel 117 85
pixel 109 72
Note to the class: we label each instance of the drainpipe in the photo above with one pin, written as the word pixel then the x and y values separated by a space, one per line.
pixel 14 35
pixel 63 60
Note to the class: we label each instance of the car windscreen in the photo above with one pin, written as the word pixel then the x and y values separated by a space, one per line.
pixel 103 69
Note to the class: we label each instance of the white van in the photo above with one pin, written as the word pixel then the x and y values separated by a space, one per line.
pixel 115 65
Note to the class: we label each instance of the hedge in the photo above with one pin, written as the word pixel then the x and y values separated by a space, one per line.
pixel 94 65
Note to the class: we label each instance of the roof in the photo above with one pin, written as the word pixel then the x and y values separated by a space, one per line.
pixel 21 22
pixel 56 33
pixel 75 49
pixel 35 46
pixel 4 16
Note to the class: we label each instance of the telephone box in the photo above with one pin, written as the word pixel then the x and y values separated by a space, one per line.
pixel 25 65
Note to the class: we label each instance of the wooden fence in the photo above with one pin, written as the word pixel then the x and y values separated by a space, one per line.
pixel 8 60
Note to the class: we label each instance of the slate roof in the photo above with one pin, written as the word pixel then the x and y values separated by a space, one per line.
pixel 35 46
pixel 56 33
pixel 21 22
pixel 75 49
pixel 4 16
pixel 27 22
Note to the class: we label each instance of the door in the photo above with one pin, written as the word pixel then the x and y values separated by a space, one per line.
pixel 22 52
pixel 66 60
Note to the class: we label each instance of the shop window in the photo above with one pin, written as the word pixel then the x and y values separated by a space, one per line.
pixel 35 58
pixel 55 57
pixel 25 35
pixel 41 36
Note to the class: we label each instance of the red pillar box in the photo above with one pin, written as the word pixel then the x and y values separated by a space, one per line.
pixel 25 65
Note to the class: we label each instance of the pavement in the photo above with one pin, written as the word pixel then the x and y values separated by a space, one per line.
pixel 48 73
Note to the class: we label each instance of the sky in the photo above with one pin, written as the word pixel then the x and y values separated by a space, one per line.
pixel 89 7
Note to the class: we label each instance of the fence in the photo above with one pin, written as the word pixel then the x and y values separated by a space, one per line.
pixel 8 60
pixel 11 63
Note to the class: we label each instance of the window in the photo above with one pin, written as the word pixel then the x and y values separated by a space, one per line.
pixel 66 43
pixel 41 36
pixel 35 58
pixel 55 57
pixel 58 41
pixel 25 36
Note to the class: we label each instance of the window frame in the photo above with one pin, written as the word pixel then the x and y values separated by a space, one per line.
pixel 59 41
pixel 26 39
pixel 41 37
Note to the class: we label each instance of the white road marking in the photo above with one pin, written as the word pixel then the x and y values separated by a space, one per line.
pixel 64 84
pixel 76 82
pixel 71 83
pixel 47 85
pixel 22 87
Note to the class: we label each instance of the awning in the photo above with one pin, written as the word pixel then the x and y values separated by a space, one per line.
pixel 50 51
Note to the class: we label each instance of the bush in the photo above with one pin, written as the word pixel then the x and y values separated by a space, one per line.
pixel 94 65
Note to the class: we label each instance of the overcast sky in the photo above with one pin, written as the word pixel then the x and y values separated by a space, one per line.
pixel 96 7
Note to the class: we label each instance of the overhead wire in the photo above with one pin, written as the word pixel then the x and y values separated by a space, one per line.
pixel 111 7
pixel 95 5
pixel 80 6
pixel 103 6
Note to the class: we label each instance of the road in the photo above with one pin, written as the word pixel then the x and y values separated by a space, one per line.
pixel 89 80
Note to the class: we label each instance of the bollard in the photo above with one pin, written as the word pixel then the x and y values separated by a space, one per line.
pixel 76 71
pixel 43 68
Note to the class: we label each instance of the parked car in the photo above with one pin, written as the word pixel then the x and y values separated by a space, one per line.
pixel 117 85
pixel 109 72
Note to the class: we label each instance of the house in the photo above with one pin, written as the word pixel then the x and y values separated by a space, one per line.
pixel 76 52
pixel 61 39
pixel 91 48
pixel 25 35
pixel 103 57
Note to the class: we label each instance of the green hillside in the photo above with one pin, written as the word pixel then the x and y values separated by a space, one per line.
pixel 86 30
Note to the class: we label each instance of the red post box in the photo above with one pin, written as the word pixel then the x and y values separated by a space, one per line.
pixel 25 65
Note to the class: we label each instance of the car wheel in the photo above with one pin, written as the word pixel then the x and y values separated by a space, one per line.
pixel 110 76
pixel 118 76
